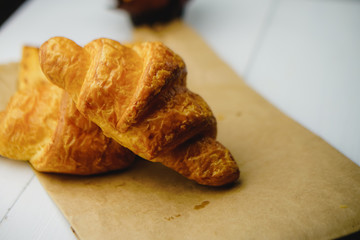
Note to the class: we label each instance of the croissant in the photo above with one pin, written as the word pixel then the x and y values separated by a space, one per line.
pixel 41 124
pixel 137 94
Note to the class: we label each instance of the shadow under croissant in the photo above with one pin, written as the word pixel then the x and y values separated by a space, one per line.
pixel 143 174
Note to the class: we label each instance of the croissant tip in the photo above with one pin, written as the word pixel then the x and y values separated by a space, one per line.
pixel 223 180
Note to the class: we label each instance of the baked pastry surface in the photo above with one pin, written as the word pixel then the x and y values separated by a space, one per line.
pixel 41 124
pixel 137 94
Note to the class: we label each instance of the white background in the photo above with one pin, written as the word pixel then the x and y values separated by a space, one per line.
pixel 301 55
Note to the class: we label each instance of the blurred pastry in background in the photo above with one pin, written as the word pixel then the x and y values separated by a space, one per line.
pixel 145 12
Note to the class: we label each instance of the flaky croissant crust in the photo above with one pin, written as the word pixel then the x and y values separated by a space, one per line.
pixel 137 94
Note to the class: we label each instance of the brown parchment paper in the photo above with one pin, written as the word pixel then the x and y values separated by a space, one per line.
pixel 293 185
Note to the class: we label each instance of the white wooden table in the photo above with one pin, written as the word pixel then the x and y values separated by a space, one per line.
pixel 303 56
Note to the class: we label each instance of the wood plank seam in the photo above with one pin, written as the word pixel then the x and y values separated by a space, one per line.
pixel 267 22
pixel 16 199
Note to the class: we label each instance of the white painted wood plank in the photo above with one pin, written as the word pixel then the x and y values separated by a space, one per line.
pixel 231 28
pixel 35 216
pixel 308 64
pixel 14 176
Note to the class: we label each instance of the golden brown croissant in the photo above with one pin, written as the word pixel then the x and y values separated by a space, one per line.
pixel 42 124
pixel 137 94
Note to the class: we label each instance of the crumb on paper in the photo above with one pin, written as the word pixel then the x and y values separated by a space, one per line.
pixel 202 205
pixel 343 206
pixel 172 217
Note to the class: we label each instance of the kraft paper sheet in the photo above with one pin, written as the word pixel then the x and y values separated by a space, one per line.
pixel 293 185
